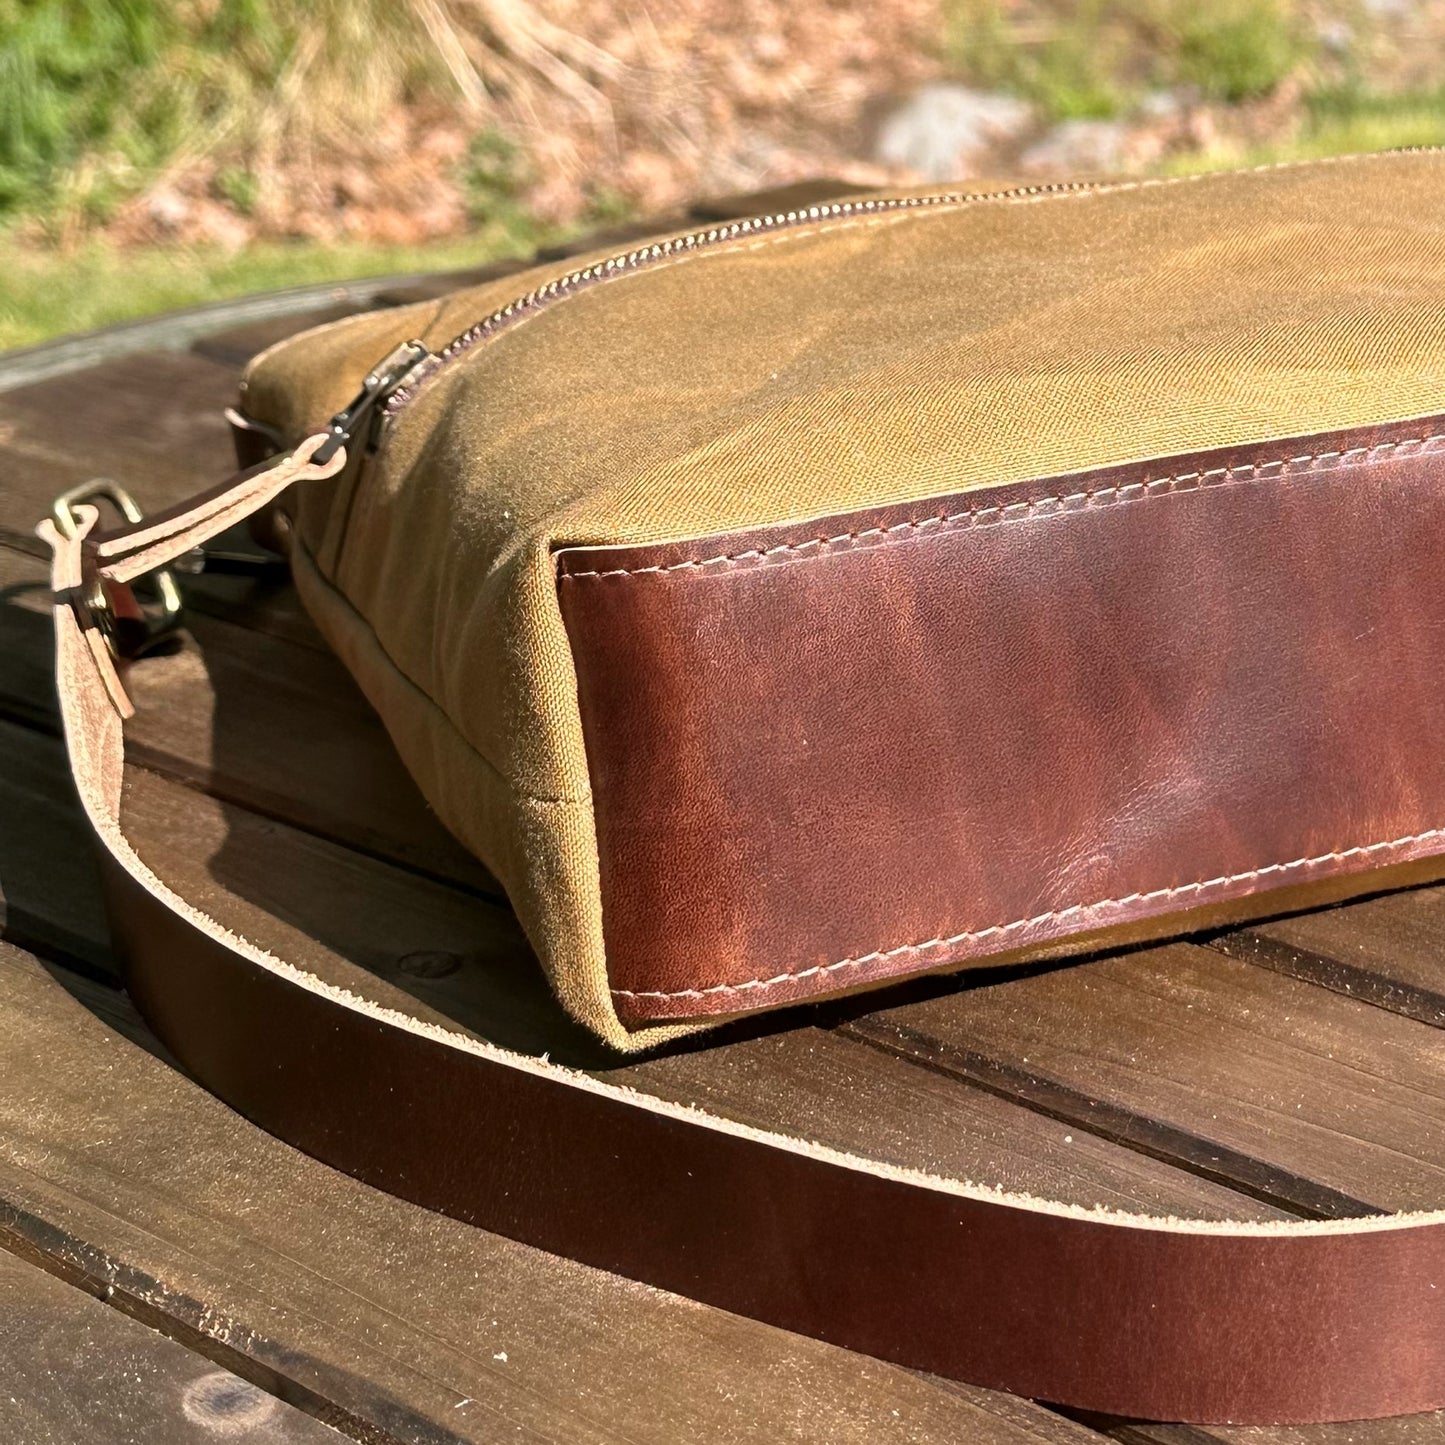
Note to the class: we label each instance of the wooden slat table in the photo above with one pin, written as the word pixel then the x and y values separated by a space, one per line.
pixel 242 1291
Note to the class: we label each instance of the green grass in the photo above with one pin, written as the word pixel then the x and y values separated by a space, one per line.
pixel 97 96
pixel 1102 58
pixel 1099 58
pixel 1337 127
pixel 46 293
pixel 1348 121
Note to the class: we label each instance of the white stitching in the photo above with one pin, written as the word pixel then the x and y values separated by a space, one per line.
pixel 1131 900
pixel 1156 487
pixel 1163 486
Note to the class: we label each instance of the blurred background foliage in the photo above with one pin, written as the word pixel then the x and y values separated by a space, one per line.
pixel 1093 60
pixel 1302 79
pixel 158 152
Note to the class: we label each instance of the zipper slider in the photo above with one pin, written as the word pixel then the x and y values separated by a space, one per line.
pixel 383 379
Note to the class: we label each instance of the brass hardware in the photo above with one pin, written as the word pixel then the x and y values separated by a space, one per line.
pixel 155 617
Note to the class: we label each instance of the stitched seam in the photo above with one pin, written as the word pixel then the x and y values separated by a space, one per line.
pixel 1129 901
pixel 352 611
pixel 1019 511
pixel 1121 494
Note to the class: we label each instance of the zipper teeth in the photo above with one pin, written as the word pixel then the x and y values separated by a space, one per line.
pixel 644 256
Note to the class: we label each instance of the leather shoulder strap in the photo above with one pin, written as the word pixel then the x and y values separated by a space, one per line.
pixel 1169 1319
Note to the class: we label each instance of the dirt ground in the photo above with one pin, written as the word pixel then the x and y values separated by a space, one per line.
pixel 583 110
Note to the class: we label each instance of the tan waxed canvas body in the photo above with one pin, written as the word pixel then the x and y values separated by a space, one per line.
pixel 711 399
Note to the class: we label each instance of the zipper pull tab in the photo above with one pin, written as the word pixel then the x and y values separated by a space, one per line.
pixel 383 379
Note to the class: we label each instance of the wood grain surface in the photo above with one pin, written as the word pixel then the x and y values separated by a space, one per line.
pixel 152 1240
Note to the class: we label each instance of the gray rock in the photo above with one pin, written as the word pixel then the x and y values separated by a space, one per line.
pixel 168 208
pixel 1078 146
pixel 1161 105
pixel 944 127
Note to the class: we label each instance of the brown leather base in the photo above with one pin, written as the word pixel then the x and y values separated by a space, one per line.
pixel 824 756
pixel 1154 1321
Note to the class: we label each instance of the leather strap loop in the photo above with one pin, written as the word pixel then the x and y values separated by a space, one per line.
pixel 1170 1319
pixel 130 552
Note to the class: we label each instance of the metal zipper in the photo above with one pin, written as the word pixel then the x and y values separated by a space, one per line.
pixel 405 391
pixel 393 393
pixel 361 413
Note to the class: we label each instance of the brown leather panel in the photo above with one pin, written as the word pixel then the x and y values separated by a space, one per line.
pixel 1144 1320
pixel 831 754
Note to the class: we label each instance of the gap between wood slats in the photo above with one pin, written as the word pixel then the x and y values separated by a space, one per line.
pixel 1286 1089
pixel 1323 949
pixel 1403 1430
pixel 129 1292
pixel 1206 1158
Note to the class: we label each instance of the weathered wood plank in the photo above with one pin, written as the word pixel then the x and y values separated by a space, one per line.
pixel 176 330
pixel 275 725
pixel 462 961
pixel 421 1328
pixel 1389 951
pixel 1315 1101
pixel 819 1085
pixel 72 1369
pixel 236 345
pixel 152 422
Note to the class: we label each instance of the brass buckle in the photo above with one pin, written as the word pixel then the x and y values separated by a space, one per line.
pixel 150 612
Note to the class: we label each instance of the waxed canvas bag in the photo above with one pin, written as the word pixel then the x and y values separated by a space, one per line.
pixel 787 607
pixel 908 583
